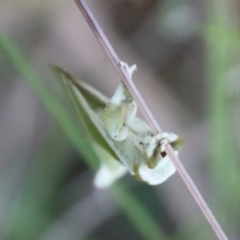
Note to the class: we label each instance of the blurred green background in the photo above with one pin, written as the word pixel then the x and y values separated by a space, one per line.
pixel 187 54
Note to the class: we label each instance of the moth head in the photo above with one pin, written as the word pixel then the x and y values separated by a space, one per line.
pixel 142 142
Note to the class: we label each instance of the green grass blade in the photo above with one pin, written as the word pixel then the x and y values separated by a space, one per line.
pixel 139 215
pixel 50 103
pixel 222 41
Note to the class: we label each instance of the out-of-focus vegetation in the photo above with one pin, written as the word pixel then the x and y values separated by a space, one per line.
pixel 188 60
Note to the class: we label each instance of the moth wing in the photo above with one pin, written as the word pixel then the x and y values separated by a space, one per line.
pixel 85 99
pixel 90 104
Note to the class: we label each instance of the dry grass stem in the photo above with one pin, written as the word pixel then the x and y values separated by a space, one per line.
pixel 149 117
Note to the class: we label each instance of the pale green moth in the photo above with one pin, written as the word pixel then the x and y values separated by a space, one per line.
pixel 121 140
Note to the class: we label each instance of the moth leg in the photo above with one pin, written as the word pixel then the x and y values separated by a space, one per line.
pixel 153 147
pixel 121 110
pixel 149 147
pixel 169 138
pixel 130 70
pixel 132 106
pixel 131 113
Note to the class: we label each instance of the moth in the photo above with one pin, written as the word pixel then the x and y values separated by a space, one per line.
pixel 123 142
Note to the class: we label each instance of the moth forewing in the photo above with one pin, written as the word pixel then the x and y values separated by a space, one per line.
pixel 80 94
pixel 120 110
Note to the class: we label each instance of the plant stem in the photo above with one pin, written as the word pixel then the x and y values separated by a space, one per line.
pixel 149 117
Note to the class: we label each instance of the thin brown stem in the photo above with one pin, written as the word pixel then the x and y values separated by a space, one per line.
pixel 149 117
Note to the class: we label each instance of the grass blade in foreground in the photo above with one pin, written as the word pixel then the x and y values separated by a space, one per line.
pixel 50 103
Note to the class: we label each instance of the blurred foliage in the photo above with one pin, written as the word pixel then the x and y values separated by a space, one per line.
pixel 42 195
pixel 222 54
